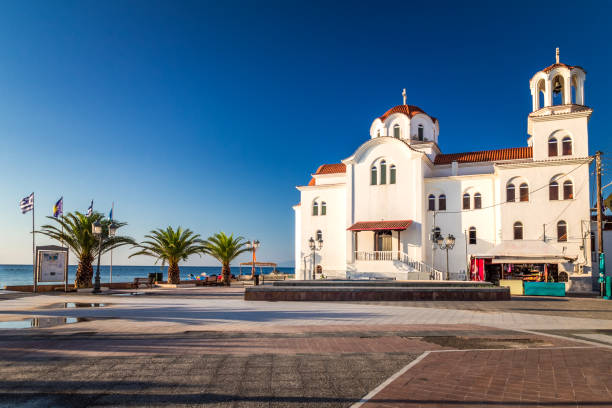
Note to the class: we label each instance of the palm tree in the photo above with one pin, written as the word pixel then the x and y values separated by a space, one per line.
pixel 74 230
pixel 225 249
pixel 171 246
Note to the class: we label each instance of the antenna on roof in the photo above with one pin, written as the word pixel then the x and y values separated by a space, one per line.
pixel 404 95
pixel 557 55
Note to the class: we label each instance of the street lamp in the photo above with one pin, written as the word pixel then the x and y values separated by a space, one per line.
pixel 253 245
pixel 446 244
pixel 96 229
pixel 314 247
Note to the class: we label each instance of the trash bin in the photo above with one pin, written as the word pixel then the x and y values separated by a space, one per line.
pixel 152 277
pixel 256 280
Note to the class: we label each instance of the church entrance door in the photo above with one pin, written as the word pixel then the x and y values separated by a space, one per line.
pixel 383 241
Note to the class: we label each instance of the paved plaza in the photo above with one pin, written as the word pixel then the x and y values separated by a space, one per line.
pixel 209 347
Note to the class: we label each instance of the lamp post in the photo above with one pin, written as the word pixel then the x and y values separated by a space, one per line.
pixel 96 229
pixel 446 244
pixel 314 247
pixel 253 245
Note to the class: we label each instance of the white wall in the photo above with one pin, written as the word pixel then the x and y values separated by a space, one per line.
pixel 457 222
pixel 332 225
pixel 539 211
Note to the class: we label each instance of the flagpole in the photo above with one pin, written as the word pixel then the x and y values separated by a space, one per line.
pixel 35 287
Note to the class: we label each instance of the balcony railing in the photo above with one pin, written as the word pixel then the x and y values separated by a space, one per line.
pixel 418 266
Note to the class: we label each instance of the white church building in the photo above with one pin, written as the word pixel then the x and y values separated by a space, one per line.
pixel 380 211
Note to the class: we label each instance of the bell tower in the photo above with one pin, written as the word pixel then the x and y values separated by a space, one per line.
pixel 558 122
pixel 557 84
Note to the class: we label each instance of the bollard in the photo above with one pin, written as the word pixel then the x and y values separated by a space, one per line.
pixel 608 288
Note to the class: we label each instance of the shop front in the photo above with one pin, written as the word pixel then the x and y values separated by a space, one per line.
pixel 527 267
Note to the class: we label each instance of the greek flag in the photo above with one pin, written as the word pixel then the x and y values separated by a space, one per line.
pixel 90 209
pixel 27 204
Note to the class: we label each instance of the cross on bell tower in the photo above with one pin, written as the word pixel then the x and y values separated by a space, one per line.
pixel 404 95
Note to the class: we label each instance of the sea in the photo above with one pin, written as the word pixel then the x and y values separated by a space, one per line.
pixel 22 274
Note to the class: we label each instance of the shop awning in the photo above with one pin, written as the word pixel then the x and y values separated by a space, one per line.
pixel 398 225
pixel 528 252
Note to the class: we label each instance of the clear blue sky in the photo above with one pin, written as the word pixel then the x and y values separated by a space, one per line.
pixel 208 114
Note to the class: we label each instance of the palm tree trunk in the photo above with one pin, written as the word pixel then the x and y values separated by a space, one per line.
pixel 84 273
pixel 226 274
pixel 174 273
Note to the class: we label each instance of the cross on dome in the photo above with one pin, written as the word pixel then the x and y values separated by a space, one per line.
pixel 557 55
pixel 404 95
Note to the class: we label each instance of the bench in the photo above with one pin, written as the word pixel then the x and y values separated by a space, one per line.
pixel 142 281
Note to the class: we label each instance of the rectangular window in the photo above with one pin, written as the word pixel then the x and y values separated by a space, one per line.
pixel 466 202
pixel 383 174
pixel 552 148
pixel 374 180
pixel 567 147
pixel 323 209
pixel 553 191
pixel 472 236
pixel 510 194
pixel 442 203
pixel 568 191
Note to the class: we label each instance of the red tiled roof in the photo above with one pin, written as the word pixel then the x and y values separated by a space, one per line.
pixel 312 182
pixel 408 110
pixel 380 225
pixel 560 64
pixel 331 168
pixel 513 153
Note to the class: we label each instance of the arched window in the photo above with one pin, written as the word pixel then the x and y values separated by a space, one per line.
pixel 561 231
pixel 567 146
pixel 553 190
pixel 442 203
pixel 466 201
pixel 396 131
pixel 477 201
pixel 432 202
pixel 319 235
pixel 552 147
pixel 392 174
pixel 374 178
pixel 510 194
pixel 323 208
pixel 568 190
pixel 420 132
pixel 518 230
pixel 472 235
pixel 315 208
pixel 383 172
pixel 524 192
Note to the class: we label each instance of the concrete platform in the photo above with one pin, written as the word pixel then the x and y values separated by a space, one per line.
pixel 374 293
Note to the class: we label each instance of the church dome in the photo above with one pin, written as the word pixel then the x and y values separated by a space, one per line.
pixel 408 110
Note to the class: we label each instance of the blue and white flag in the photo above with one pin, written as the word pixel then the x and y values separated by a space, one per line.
pixel 27 204
pixel 90 209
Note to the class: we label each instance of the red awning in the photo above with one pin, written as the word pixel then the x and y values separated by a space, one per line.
pixel 380 225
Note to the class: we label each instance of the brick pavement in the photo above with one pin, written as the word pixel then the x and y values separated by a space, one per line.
pixel 507 378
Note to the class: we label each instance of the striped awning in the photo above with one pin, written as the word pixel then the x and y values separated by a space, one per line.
pixel 399 225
